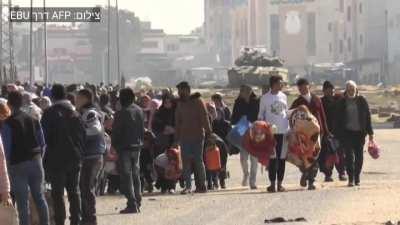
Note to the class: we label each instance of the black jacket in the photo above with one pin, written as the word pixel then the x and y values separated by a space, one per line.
pixel 24 133
pixel 330 107
pixel 242 108
pixel 128 129
pixel 65 136
pixel 364 116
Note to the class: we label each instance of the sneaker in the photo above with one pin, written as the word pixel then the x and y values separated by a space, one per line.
pixel 128 210
pixel 181 183
pixel 350 184
pixel 171 191
pixel 186 191
pixel 303 180
pixel 245 180
pixel 223 184
pixel 150 188
pixel 253 187
pixel 357 180
pixel 281 188
pixel 216 186
pixel 311 186
pixel 328 179
pixel 342 178
pixel 271 189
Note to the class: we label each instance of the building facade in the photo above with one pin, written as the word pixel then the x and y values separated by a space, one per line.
pixel 218 29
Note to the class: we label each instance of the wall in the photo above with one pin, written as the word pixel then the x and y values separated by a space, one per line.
pixel 239 29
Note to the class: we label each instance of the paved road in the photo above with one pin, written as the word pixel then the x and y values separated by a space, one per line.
pixel 375 202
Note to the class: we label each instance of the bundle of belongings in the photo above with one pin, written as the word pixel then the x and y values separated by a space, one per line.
pixel 236 135
pixel 303 138
pixel 259 141
pixel 169 164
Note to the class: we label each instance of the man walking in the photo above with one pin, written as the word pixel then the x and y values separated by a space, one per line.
pixel 65 137
pixel 127 139
pixel 192 126
pixel 330 103
pixel 92 156
pixel 314 104
pixel 273 109
pixel 23 141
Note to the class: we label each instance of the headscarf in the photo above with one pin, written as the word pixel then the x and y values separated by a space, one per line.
pixel 352 84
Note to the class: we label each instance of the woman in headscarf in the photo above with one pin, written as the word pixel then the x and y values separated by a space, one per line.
pixel 247 104
pixel 163 124
pixel 164 128
pixel 45 103
pixel 354 124
pixel 149 106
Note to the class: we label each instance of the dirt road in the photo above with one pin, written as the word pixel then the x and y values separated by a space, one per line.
pixel 376 201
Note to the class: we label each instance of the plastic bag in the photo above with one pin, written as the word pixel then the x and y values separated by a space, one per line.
pixel 374 150
pixel 235 136
pixel 8 215
pixel 332 144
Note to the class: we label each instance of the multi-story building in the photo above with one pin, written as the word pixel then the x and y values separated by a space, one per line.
pixel 363 35
pixel 240 25
pixel 218 29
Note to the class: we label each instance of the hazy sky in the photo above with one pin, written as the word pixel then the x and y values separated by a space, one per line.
pixel 174 16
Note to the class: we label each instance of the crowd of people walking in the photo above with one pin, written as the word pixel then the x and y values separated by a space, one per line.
pixel 89 140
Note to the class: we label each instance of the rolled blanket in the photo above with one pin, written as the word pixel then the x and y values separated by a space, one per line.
pixel 304 138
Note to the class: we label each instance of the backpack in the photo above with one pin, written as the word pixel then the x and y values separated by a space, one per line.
pixel 65 138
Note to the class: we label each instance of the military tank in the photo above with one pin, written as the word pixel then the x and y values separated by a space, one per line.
pixel 255 68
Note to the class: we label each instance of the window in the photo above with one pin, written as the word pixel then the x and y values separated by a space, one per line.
pixel 361 39
pixel 172 47
pixel 82 43
pixel 349 13
pixel 330 47
pixel 360 8
pixel 311 34
pixel 150 44
pixel 275 35
pixel 330 27
pixel 341 6
pixel 341 46
pixel 349 44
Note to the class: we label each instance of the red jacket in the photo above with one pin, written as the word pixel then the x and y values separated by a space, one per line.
pixel 316 108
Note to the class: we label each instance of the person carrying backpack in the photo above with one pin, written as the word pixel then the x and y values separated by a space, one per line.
pixel 65 136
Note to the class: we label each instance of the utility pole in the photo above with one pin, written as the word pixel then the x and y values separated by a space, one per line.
pixel 118 46
pixel 108 43
pixel 30 45
pixel 11 37
pixel 46 66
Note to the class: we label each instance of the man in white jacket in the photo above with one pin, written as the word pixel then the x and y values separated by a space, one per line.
pixel 273 109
